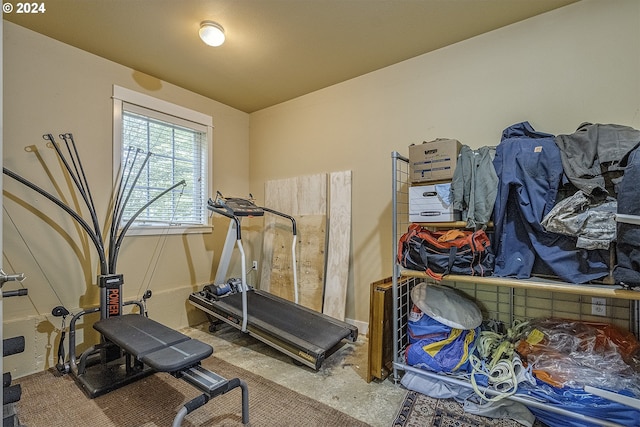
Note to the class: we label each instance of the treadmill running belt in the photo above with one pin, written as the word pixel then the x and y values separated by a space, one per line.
pixel 283 315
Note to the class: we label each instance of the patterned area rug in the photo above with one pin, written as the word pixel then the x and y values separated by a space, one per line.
pixel 419 410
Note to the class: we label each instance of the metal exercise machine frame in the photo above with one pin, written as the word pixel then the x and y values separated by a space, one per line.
pixel 120 359
pixel 234 233
pixel 305 335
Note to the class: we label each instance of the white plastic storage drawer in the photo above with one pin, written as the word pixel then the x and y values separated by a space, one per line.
pixel 425 205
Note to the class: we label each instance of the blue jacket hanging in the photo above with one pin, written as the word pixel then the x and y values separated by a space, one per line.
pixel 529 169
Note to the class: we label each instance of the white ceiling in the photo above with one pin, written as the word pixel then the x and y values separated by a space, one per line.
pixel 276 50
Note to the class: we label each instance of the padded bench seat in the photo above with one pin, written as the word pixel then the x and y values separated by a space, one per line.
pixel 160 347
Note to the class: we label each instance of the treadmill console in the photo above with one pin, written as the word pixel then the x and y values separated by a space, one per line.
pixel 238 206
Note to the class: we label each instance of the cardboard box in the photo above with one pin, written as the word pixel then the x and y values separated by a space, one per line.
pixel 434 160
pixel 425 205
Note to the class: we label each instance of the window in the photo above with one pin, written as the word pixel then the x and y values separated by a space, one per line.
pixel 157 145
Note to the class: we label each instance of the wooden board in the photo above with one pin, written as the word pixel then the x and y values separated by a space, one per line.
pixel 310 260
pixel 302 195
pixel 305 199
pixel 268 242
pixel 339 247
pixel 380 360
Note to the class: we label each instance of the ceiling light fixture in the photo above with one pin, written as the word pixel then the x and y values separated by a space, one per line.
pixel 211 33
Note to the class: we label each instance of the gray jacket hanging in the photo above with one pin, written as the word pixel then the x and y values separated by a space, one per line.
pixel 591 155
pixel 475 185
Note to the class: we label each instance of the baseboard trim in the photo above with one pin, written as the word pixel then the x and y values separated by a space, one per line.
pixel 363 327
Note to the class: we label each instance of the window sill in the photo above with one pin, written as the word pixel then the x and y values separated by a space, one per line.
pixel 168 230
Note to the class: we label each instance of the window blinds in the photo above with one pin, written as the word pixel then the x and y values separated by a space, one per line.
pixel 178 152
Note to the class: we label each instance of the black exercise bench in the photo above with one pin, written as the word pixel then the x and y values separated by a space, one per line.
pixel 166 350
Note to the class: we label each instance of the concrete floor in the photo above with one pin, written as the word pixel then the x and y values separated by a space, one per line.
pixel 340 382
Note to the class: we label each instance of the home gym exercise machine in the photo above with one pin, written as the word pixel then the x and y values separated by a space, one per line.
pixel 307 336
pixel 132 346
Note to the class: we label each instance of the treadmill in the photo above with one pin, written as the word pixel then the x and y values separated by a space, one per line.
pixel 305 335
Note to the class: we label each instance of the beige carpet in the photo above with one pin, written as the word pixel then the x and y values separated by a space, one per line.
pixel 52 401
pixel 419 410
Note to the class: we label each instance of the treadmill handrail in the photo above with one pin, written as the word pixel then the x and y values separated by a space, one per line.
pixel 289 217
pixel 226 211
pixel 229 215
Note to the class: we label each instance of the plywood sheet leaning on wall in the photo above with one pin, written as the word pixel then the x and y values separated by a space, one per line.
pixel 302 195
pixel 304 198
pixel 338 250
pixel 309 255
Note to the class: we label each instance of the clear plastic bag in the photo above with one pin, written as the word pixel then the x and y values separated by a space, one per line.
pixel 568 353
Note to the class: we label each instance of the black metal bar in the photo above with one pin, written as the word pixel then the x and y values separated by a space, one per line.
pixel 67 209
pixel 64 137
pixel 118 200
pixel 79 186
pixel 289 217
pixel 224 212
pixel 72 334
pixel 114 257
pixel 84 177
pixel 114 248
pixel 15 293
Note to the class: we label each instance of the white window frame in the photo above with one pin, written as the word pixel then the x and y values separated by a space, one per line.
pixel 123 95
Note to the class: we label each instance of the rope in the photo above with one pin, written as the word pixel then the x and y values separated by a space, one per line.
pixel 501 378
pixel 500 363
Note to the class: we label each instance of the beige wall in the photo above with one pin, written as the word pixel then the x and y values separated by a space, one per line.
pixel 579 63
pixel 50 87
pixel 575 64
